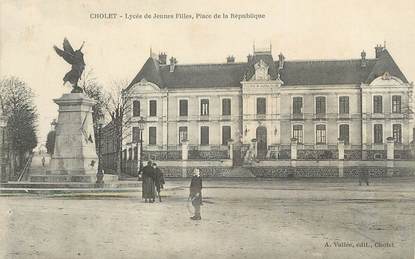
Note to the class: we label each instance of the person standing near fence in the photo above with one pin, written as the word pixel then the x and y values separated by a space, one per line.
pixel 159 180
pixel 148 191
pixel 363 176
pixel 196 193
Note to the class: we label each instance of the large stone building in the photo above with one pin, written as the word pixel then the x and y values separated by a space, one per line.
pixel 266 105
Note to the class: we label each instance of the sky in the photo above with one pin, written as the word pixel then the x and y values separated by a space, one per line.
pixel 115 49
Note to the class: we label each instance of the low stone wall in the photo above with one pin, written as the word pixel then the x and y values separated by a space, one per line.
pixel 162 155
pixel 176 168
pixel 188 171
pixel 328 171
pixel 208 155
pixel 306 154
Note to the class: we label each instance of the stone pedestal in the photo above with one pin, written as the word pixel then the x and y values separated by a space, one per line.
pixel 230 149
pixel 293 149
pixel 340 148
pixel 390 148
pixel 185 150
pixel 75 158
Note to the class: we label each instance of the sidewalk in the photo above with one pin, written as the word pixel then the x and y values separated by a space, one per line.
pixel 406 184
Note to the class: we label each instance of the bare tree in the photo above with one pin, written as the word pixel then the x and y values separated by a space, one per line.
pixel 118 108
pixel 17 99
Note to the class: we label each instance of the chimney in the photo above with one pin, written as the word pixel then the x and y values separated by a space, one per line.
pixel 162 58
pixel 230 59
pixel 281 60
pixel 173 62
pixel 363 61
pixel 250 58
pixel 378 50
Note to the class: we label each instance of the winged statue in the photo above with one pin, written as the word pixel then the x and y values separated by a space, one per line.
pixel 76 59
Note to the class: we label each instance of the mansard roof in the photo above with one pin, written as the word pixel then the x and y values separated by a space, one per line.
pixel 309 72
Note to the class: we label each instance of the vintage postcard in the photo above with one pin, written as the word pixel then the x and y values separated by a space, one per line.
pixel 207 129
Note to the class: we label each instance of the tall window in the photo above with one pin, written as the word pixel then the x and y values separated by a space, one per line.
pixel 298 133
pixel 397 133
pixel 152 136
pixel 261 105
pixel 396 104
pixel 321 134
pixel 153 108
pixel 136 134
pixel 226 106
pixel 182 134
pixel 320 105
pixel 344 104
pixel 377 104
pixel 226 134
pixel 136 108
pixel 344 133
pixel 297 105
pixel 204 107
pixel 183 108
pixel 378 133
pixel 204 135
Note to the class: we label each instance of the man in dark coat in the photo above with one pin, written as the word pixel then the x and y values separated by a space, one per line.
pixel 363 176
pixel 148 192
pixel 159 179
pixel 196 193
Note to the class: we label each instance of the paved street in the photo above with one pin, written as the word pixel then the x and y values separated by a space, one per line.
pixel 241 219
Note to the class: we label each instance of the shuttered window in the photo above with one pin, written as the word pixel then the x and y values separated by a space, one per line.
pixel 152 136
pixel 261 105
pixel 226 134
pixel 377 104
pixel 344 104
pixel 136 108
pixel 153 108
pixel 378 133
pixel 204 135
pixel 183 108
pixel 396 104
pixel 136 135
pixel 226 107
pixel 297 105
pixel 320 105
pixel 344 133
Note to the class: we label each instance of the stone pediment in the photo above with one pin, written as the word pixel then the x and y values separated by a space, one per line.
pixel 386 80
pixel 145 86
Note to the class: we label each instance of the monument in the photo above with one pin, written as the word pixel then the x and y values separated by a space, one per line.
pixel 74 158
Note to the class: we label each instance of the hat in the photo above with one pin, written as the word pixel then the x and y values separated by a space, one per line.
pixel 196 172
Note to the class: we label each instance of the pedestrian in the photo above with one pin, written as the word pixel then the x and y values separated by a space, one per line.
pixel 43 161
pixel 363 176
pixel 148 191
pixel 159 179
pixel 196 193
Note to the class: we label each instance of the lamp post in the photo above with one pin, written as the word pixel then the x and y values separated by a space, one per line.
pixel 100 172
pixel 141 124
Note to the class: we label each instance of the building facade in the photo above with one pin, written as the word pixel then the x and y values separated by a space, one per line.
pixel 264 106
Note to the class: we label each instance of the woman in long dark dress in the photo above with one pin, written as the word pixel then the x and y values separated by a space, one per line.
pixel 149 188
